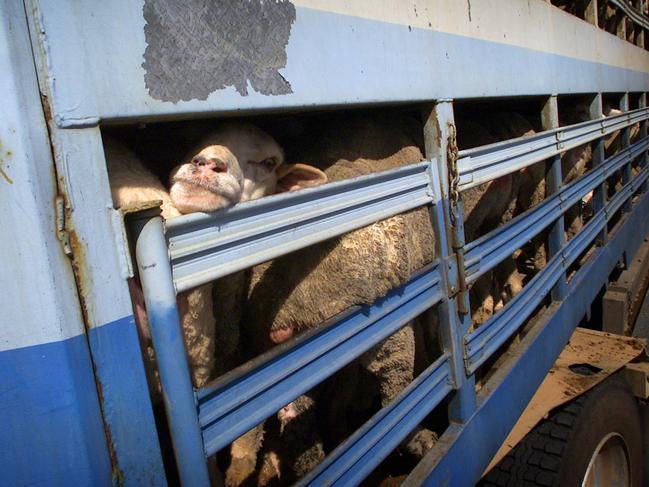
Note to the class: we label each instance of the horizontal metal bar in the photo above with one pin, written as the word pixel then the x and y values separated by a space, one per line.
pixel 359 455
pixel 625 192
pixel 635 16
pixel 492 334
pixel 243 398
pixel 204 247
pixel 505 396
pixel 486 252
pixel 482 164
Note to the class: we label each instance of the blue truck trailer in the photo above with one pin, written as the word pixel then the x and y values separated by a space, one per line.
pixel 75 404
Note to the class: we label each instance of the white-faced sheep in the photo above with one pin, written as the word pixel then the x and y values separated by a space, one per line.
pixel 299 291
pixel 237 162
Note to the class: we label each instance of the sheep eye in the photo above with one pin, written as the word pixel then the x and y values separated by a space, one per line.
pixel 269 163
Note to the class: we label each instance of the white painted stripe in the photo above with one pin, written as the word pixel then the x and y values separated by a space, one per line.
pixel 531 24
pixel 524 48
pixel 38 300
pixel 100 248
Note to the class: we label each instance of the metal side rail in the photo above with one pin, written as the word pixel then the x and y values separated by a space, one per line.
pixel 488 338
pixel 505 396
pixel 483 164
pixel 485 253
pixel 192 250
pixel 243 398
pixel 636 16
pixel 204 247
pixel 361 453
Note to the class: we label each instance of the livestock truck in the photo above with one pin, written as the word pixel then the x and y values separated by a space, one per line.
pixel 524 397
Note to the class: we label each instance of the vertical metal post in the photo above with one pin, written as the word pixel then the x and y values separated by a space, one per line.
pixel 590 12
pixel 620 24
pixel 639 37
pixel 177 392
pixel 644 158
pixel 599 195
pixel 553 183
pixel 630 29
pixel 439 126
pixel 625 142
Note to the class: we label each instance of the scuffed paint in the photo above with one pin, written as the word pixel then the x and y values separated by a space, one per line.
pixel 4 158
pixel 207 46
pixel 6 176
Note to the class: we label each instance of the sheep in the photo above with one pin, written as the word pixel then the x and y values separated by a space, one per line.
pixel 234 163
pixel 575 162
pixel 573 165
pixel 496 202
pixel 238 162
pixel 297 292
pixel 491 204
pixel 613 144
pixel 131 184
pixel 529 193
pixel 609 17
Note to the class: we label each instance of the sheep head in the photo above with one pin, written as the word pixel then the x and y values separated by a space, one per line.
pixel 238 162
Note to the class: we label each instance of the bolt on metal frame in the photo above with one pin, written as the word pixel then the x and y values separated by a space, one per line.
pixel 189 251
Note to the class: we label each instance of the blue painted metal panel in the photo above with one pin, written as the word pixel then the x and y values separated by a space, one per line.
pixel 40 303
pixel 51 431
pixel 125 403
pixel 505 397
pixel 415 64
pixel 644 159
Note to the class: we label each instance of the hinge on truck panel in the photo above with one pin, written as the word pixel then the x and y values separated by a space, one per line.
pixel 61 232
pixel 457 231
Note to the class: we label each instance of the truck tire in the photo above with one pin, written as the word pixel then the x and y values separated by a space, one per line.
pixel 599 434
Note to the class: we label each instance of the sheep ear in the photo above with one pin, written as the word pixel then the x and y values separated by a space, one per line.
pixel 292 177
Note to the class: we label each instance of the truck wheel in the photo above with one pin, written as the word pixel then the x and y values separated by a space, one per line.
pixel 593 440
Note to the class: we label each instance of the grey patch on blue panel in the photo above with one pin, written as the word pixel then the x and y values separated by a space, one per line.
pixel 196 47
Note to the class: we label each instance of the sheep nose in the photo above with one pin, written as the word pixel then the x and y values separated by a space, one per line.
pixel 211 164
